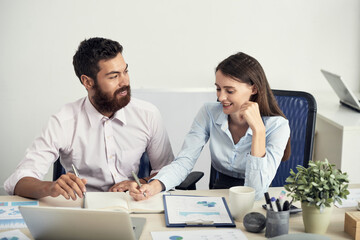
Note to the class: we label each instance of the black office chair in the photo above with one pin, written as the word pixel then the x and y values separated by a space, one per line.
pixel 300 109
pixel 144 171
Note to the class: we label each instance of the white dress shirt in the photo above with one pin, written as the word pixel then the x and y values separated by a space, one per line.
pixel 227 157
pixel 104 150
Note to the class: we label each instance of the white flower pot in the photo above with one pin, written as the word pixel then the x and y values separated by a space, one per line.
pixel 314 220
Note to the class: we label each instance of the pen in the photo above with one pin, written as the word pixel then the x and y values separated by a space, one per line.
pixel 268 201
pixel 273 204
pixel 137 181
pixel 278 205
pixel 78 175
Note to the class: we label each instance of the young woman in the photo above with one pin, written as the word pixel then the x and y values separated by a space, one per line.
pixel 248 133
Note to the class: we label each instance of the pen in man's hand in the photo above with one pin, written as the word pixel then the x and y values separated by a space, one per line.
pixel 78 175
pixel 137 181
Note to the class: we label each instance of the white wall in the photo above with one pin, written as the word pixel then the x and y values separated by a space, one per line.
pixel 168 44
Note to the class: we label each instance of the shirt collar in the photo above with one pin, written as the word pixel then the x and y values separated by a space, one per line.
pixel 222 120
pixel 95 117
pixel 120 115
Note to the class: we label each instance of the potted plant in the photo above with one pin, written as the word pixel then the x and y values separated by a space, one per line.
pixel 317 187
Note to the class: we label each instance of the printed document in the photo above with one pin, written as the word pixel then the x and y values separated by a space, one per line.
pixel 10 216
pixel 352 199
pixel 193 209
pixel 216 234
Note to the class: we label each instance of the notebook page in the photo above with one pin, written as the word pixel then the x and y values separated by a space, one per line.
pixel 154 204
pixel 106 200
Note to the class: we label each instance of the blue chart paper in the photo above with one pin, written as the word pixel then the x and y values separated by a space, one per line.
pixel 10 216
pixel 181 211
pixel 13 235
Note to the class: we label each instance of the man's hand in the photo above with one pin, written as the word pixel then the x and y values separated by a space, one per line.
pixel 121 186
pixel 150 189
pixel 69 186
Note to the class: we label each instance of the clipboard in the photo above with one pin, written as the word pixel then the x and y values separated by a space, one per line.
pixel 196 211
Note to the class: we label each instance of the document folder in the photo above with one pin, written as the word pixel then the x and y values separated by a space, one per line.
pixel 196 211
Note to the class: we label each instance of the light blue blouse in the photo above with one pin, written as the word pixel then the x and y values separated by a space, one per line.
pixel 226 157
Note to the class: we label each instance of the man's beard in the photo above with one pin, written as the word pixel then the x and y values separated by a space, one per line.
pixel 106 104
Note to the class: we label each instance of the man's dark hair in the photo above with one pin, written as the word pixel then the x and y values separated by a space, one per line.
pixel 90 52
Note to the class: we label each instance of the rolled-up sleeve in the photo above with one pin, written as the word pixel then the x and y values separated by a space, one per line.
pixel 39 156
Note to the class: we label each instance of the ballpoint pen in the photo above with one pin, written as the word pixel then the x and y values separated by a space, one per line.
pixel 78 175
pixel 137 181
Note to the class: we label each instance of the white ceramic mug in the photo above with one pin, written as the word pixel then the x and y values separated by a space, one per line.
pixel 241 201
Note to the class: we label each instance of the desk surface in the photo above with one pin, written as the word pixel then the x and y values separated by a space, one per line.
pixel 156 222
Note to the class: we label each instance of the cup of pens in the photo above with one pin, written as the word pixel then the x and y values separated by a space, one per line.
pixel 277 217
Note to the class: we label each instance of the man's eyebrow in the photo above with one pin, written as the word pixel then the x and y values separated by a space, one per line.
pixel 112 72
pixel 116 72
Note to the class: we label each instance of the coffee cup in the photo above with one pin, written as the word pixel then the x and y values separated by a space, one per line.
pixel 241 201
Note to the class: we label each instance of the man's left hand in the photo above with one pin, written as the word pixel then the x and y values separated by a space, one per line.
pixel 121 186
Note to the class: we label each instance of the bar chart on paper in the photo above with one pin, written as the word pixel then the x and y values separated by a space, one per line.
pixel 10 216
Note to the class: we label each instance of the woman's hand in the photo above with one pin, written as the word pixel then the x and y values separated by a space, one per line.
pixel 146 190
pixel 251 113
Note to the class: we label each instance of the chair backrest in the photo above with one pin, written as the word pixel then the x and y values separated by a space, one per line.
pixel 144 169
pixel 300 109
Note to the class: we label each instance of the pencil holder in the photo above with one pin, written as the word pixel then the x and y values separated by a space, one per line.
pixel 277 223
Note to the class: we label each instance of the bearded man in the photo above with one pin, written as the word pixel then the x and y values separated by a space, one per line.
pixel 102 135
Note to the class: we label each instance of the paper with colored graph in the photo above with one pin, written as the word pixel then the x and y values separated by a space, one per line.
pixel 218 234
pixel 10 216
pixel 194 210
pixel 13 235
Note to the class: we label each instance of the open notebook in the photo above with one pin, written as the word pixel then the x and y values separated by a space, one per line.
pixel 122 200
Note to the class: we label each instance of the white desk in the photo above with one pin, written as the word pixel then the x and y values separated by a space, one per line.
pixel 338 135
pixel 156 222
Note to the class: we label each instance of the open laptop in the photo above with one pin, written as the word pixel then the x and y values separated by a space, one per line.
pixel 52 223
pixel 347 97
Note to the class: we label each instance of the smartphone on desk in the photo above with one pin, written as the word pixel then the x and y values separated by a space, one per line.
pixel 293 209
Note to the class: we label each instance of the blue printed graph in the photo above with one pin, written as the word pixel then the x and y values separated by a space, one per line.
pixel 185 214
pixel 206 203
pixel 175 238
pixel 11 238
